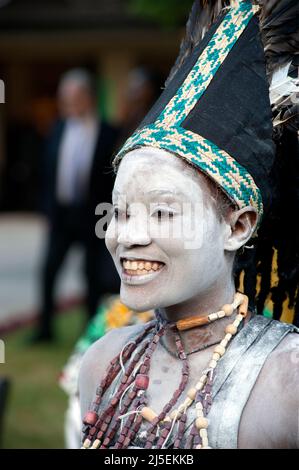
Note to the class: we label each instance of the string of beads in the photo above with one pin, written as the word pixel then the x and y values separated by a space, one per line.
pixel 117 425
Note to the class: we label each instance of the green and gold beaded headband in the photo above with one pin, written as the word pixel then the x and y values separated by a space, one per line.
pixel 169 130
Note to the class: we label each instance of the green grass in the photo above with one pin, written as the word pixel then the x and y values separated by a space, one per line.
pixel 36 406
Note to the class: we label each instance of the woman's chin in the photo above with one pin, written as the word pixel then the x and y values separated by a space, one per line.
pixel 137 303
pixel 137 306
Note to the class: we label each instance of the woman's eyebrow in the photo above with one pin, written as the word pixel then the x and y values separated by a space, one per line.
pixel 154 192
pixel 164 192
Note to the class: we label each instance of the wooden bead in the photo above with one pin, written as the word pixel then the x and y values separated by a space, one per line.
pixel 199 386
pixel 181 408
pixel 114 401
pixel 96 444
pixel 219 349
pixel 221 314
pixel 188 323
pixel 212 364
pixel 167 419
pixel 203 379
pixel 90 418
pixel 121 439
pixel 224 343
pixel 148 414
pixel 141 381
pixel 86 444
pixel 244 306
pixel 188 402
pixel 104 427
pixel 236 323
pixel 92 431
pixel 198 406
pixel 201 423
pixel 228 309
pixel 232 329
pixel 100 435
pixel 228 337
pixel 173 415
pixel 238 299
pixel 213 316
pixel 203 433
pixel 124 379
pixel 192 393
pixel 132 394
pixel 216 356
pixel 155 421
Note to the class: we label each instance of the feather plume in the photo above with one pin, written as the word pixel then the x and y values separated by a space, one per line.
pixel 202 16
pixel 280 36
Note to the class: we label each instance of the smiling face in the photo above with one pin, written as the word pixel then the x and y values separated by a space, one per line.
pixel 165 237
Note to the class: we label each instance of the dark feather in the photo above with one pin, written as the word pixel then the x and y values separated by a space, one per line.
pixel 278 24
pixel 280 33
pixel 202 16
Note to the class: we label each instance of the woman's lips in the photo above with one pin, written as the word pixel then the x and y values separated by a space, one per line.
pixel 139 271
pixel 139 267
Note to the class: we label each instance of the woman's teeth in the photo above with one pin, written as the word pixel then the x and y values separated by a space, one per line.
pixel 141 267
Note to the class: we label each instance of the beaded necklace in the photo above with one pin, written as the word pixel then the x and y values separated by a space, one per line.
pixel 117 425
pixel 193 351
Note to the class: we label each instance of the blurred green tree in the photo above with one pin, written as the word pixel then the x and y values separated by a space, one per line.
pixel 167 13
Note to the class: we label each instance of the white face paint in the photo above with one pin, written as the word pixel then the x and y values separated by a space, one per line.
pixel 152 190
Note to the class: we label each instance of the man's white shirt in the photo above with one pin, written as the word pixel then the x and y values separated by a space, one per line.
pixel 75 157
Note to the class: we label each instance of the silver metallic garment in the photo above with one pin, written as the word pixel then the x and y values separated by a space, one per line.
pixel 236 375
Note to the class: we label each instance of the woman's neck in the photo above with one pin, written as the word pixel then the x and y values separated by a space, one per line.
pixel 209 302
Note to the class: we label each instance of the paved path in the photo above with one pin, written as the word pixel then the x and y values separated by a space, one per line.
pixel 22 241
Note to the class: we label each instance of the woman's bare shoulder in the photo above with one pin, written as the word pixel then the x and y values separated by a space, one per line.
pixel 100 353
pixel 98 356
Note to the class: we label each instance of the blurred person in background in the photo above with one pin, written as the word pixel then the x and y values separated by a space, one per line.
pixel 77 177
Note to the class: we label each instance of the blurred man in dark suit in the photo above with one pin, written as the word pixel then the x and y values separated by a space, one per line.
pixel 78 177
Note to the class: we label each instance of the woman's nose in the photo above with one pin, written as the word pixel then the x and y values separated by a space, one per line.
pixel 134 232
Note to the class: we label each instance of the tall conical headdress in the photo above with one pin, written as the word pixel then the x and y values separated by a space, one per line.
pixel 215 111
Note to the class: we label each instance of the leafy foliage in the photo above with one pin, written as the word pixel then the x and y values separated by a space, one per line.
pixel 166 13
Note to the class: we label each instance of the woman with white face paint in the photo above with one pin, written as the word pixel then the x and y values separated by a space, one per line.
pixel 192 185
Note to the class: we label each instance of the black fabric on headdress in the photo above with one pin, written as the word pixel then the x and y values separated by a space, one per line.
pixel 228 131
pixel 224 114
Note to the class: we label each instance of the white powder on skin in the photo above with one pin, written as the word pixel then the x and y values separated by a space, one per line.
pixel 190 276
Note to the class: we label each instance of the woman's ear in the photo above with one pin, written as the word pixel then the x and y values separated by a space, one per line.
pixel 241 224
